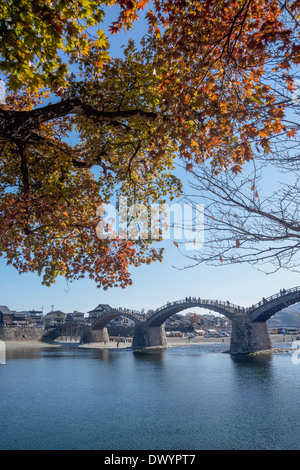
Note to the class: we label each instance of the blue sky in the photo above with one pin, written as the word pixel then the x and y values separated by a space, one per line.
pixel 153 285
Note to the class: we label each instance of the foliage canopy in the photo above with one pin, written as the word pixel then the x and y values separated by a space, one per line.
pixel 78 127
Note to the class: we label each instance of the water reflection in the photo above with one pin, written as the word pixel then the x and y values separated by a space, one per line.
pixel 254 368
pixel 69 352
pixel 24 352
pixel 261 360
pixel 36 351
pixel 154 356
pixel 103 355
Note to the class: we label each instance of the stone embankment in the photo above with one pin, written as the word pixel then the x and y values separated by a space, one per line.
pixel 21 333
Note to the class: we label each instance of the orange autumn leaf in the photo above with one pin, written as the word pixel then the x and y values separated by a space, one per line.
pixel 291 133
pixel 236 169
pixel 189 167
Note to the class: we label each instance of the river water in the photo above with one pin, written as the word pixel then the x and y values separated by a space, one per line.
pixel 188 398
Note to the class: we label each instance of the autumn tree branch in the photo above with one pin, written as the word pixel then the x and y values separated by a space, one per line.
pixel 19 125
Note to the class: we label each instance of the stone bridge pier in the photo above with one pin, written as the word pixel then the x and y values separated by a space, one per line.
pixel 149 337
pixel 249 336
pixel 95 336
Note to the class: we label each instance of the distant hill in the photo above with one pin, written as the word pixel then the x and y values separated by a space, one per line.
pixel 288 317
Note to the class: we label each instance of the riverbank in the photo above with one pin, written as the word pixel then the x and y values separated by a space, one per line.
pixel 126 343
pixel 30 344
pixel 286 341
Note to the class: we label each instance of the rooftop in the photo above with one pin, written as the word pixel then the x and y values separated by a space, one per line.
pixel 5 310
pixel 54 312
pixel 100 308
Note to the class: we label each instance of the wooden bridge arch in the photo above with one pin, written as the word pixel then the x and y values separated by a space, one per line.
pixel 106 316
pixel 159 316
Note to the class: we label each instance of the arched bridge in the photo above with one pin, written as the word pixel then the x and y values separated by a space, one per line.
pixel 160 315
pixel 249 327
pixel 268 307
pixel 259 312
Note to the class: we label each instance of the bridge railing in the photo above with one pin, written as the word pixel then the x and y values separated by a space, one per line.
pixel 214 303
pixel 127 310
pixel 282 293
pixel 197 300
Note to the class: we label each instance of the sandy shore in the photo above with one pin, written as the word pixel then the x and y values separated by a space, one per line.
pixel 276 339
pixel 171 343
pixel 107 345
pixel 285 341
pixel 28 344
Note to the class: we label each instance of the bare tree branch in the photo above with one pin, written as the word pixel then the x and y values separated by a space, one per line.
pixel 243 224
